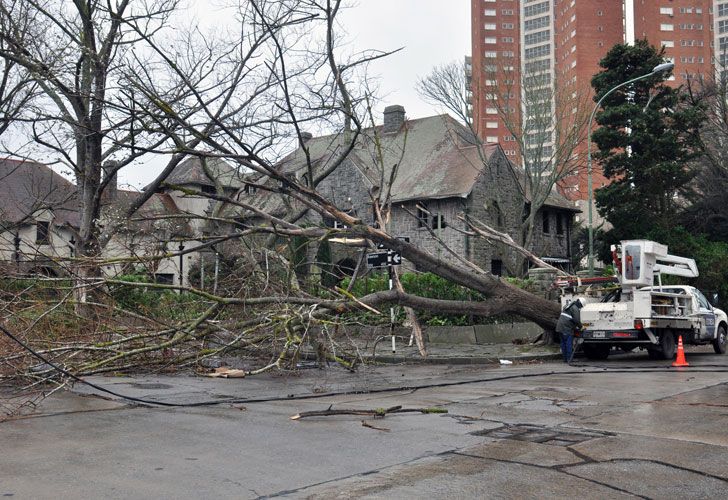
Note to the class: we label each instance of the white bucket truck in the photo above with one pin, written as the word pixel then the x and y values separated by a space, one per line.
pixel 644 313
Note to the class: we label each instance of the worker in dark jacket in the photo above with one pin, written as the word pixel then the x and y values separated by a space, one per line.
pixel 569 320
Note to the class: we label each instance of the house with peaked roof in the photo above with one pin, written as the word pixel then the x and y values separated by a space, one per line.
pixel 437 176
pixel 39 215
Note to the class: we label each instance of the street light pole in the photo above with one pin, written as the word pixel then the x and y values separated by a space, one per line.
pixel 590 185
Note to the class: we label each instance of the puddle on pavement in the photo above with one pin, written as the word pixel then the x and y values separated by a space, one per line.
pixel 149 385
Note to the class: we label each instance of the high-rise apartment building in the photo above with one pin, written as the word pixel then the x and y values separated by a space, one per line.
pixel 528 52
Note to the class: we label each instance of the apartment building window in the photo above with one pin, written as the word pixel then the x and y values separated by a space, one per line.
pixel 723 26
pixel 538 37
pixel 683 10
pixel 489 26
pixel 491 111
pixel 491 138
pixel 491 83
pixel 42 233
pixel 536 66
pixel 698 10
pixel 539 22
pixel 508 53
pixel 490 39
pixel 490 54
pixel 600 13
pixel 534 52
pixel 508 26
pixel 666 10
pixel 666 27
pixel 489 12
pixel 491 124
pixel 723 9
pixel 507 12
pixel 533 10
pixel 507 39
pixel 667 43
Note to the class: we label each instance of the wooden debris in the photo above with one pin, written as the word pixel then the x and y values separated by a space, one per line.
pixel 225 372
pixel 376 412
pixel 367 424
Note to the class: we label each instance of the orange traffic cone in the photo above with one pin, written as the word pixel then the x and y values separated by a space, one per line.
pixel 680 361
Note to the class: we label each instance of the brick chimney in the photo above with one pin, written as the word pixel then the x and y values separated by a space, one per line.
pixel 109 169
pixel 393 118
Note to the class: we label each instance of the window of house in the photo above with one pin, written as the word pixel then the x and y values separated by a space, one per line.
pixel 489 26
pixel 490 39
pixel 438 221
pixel 560 224
pixel 491 125
pixel 423 216
pixel 489 12
pixel 250 189
pixel 208 189
pixel 42 233
pixel 164 278
pixel 496 267
pixel 496 214
pixel 666 27
pixel 491 138
pixel 666 10
pixel 546 222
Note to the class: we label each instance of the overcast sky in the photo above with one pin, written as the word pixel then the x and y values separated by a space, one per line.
pixel 431 32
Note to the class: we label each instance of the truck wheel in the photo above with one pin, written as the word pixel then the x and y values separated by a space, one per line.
pixel 667 345
pixel 596 351
pixel 719 344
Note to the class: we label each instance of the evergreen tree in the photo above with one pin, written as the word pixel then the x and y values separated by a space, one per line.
pixel 646 141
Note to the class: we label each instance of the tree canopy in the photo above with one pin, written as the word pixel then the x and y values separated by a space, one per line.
pixel 648 136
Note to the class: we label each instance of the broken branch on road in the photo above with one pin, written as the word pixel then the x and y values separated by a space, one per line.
pixel 376 412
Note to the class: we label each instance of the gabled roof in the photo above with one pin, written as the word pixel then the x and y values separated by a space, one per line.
pixel 27 187
pixel 435 157
pixel 191 171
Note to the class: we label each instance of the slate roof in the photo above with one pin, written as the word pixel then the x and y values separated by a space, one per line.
pixel 190 171
pixel 27 187
pixel 436 158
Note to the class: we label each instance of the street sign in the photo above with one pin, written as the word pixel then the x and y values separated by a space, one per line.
pixel 377 260
pixel 383 259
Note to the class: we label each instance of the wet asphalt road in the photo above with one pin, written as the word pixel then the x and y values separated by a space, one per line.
pixel 624 428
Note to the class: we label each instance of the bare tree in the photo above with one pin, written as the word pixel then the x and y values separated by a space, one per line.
pixel 546 121
pixel 237 99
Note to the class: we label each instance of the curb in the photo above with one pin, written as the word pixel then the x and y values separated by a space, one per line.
pixel 457 360
pixel 415 359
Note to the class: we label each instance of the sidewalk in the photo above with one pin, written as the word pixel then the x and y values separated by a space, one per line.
pixel 456 354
